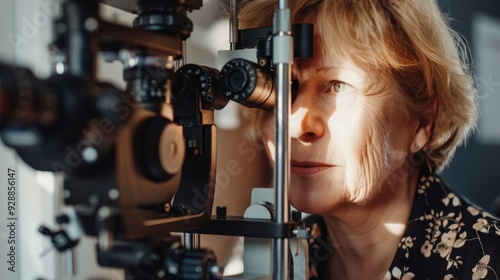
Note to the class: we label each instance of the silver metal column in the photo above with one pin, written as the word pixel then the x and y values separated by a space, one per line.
pixel 233 24
pixel 192 241
pixel 282 58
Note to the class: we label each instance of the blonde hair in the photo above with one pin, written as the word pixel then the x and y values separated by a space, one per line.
pixel 408 41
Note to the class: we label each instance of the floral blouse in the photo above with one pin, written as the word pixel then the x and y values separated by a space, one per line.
pixel 447 238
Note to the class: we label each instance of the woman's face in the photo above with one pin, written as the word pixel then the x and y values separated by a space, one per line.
pixel 349 140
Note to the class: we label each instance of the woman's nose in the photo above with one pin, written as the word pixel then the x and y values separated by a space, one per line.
pixel 306 124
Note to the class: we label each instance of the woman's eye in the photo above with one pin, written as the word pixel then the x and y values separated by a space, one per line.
pixel 337 86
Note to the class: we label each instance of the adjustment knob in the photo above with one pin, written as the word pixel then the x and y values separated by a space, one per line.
pixel 199 264
pixel 163 148
pixel 204 79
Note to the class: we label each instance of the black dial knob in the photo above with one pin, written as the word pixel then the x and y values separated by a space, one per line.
pixel 199 264
pixel 195 77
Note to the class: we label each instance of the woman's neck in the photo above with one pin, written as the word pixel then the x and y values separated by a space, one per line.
pixel 366 237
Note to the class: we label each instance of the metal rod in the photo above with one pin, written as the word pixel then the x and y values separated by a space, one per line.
pixel 184 53
pixel 283 58
pixel 283 143
pixel 233 25
pixel 80 20
pixel 183 58
pixel 282 169
pixel 70 264
pixel 192 241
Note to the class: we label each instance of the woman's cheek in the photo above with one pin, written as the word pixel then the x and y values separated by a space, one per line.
pixel 266 130
pixel 356 140
pixel 353 168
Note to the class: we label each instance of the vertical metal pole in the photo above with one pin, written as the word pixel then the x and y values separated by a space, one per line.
pixel 70 264
pixel 181 61
pixel 184 53
pixel 192 241
pixel 233 24
pixel 282 58
pixel 80 20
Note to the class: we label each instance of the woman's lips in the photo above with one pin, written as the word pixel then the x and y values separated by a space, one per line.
pixel 307 168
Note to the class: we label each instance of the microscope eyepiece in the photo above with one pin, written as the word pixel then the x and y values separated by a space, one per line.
pixel 244 82
pixel 237 80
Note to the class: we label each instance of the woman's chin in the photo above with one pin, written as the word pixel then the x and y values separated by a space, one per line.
pixel 307 202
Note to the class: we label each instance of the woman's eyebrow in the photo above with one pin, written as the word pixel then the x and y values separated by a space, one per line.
pixel 327 69
pixel 297 72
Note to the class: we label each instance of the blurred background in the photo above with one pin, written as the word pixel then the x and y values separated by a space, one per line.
pixel 475 170
pixel 25 33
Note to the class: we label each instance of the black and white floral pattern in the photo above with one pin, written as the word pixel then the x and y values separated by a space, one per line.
pixel 447 238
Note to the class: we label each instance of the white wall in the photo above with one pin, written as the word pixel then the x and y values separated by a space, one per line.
pixel 25 33
pixel 7 158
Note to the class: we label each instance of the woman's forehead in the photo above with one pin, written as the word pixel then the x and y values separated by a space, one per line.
pixel 324 54
pixel 325 69
pixel 329 58
pixel 324 64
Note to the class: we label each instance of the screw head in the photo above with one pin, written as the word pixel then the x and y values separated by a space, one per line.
pixel 221 211
pixel 113 194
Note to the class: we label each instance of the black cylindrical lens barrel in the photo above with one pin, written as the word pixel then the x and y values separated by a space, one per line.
pixel 203 79
pixel 244 82
pixel 24 99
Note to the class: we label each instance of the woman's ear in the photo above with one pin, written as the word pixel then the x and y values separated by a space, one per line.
pixel 424 131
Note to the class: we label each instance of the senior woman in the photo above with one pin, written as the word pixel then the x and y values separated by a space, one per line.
pixel 379 112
